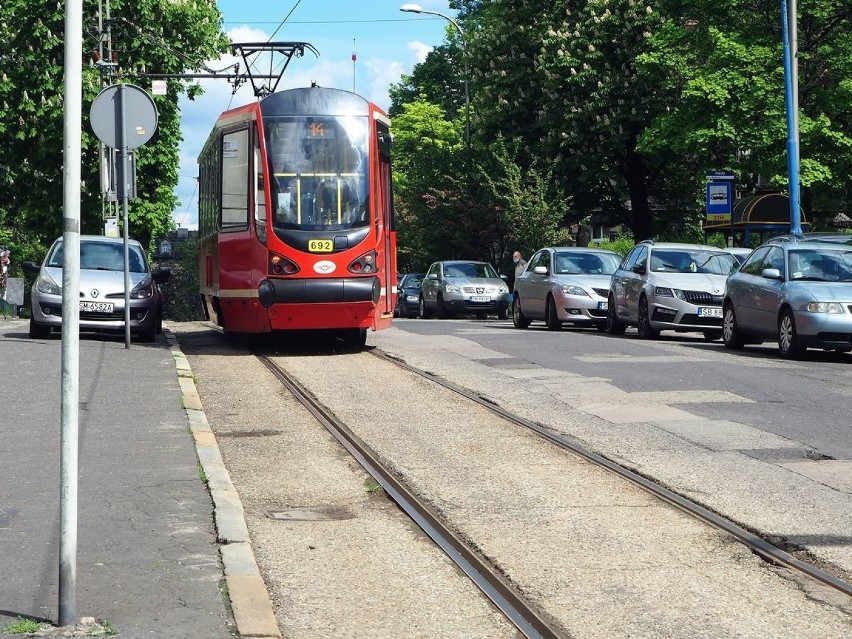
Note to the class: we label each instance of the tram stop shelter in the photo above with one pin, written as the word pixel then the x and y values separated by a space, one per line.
pixel 766 214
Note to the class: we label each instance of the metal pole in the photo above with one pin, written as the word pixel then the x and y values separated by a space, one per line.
pixel 69 438
pixel 125 179
pixel 792 21
pixel 792 126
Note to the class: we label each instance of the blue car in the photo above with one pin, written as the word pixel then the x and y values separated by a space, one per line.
pixel 798 292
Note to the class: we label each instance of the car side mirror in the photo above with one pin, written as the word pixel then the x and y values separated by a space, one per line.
pixel 540 270
pixel 31 267
pixel 432 276
pixel 639 269
pixel 504 277
pixel 771 274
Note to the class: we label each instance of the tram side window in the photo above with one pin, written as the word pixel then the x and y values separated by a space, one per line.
pixel 235 179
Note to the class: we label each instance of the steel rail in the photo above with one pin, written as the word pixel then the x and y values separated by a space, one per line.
pixel 519 612
pixel 756 544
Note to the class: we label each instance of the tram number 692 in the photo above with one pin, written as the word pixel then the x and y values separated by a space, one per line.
pixel 320 246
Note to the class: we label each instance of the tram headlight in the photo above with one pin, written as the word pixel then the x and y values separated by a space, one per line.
pixel 365 263
pixel 280 265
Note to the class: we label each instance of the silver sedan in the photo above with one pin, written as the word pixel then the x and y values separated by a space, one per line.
pixel 565 285
pixel 798 292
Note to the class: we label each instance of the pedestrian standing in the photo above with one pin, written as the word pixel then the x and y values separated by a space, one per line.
pixel 520 263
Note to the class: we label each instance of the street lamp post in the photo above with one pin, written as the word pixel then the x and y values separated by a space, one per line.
pixel 416 8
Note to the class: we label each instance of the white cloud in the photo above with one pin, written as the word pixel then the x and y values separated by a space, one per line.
pixel 421 50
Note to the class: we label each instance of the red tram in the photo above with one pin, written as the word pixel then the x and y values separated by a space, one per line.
pixel 295 216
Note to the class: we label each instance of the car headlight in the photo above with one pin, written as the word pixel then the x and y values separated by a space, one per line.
pixel 573 290
pixel 452 288
pixel 824 307
pixel 45 284
pixel 503 289
pixel 143 290
pixel 664 291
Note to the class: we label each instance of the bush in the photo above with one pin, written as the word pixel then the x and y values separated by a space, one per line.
pixel 621 245
pixel 183 301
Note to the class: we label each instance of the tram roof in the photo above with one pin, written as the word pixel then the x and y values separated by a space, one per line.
pixel 315 101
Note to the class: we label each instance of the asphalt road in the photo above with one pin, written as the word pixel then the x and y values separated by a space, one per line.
pixel 806 401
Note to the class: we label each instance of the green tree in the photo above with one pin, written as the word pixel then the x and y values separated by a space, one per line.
pixel 158 36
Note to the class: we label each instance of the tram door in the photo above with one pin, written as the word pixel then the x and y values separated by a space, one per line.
pixel 388 225
pixel 238 290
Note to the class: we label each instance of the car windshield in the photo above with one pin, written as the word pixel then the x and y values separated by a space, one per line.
pixel 101 256
pixel 692 261
pixel 470 269
pixel 820 265
pixel 412 281
pixel 574 263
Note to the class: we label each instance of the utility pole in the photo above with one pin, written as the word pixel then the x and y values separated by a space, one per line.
pixel 69 438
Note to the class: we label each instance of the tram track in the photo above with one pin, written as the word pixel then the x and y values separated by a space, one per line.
pixel 761 547
pixel 525 617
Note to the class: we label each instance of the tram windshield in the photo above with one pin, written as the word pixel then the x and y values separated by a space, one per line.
pixel 320 168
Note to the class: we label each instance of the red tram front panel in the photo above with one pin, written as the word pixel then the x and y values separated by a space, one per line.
pixel 296 216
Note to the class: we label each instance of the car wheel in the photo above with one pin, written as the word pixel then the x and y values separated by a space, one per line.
pixel 614 326
pixel 38 331
pixel 481 316
pixel 646 331
pixel 149 334
pixel 788 341
pixel 424 312
pixel 712 336
pixel 518 318
pixel 502 313
pixel 160 322
pixel 730 333
pixel 550 316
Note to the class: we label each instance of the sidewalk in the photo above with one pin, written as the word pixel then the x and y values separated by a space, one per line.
pixel 148 557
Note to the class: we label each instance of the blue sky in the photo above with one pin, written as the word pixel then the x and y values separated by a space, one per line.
pixel 388 43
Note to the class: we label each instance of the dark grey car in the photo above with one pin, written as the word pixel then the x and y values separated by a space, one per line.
pixel 463 287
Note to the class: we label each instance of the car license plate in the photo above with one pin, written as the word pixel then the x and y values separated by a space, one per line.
pixel 602 306
pixel 480 298
pixel 709 312
pixel 96 307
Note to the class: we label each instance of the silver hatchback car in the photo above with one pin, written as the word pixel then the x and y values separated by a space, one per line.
pixel 565 285
pixel 463 287
pixel 798 292
pixel 101 289
pixel 670 286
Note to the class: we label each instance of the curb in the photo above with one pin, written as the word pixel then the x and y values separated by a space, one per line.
pixel 250 603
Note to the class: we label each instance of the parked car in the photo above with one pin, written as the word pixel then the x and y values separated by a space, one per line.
pixel 669 286
pixel 463 286
pixel 798 292
pixel 835 237
pixel 408 295
pixel 565 284
pixel 101 289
